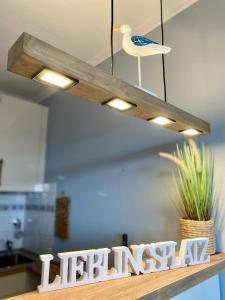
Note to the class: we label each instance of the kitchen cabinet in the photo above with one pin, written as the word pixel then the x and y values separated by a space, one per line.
pixel 23 132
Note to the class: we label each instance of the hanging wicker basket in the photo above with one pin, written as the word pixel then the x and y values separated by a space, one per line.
pixel 194 229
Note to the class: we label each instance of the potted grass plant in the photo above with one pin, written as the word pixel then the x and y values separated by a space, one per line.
pixel 195 186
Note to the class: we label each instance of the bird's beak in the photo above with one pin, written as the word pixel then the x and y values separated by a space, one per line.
pixel 118 29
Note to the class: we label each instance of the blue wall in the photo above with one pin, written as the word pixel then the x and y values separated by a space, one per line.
pixel 107 162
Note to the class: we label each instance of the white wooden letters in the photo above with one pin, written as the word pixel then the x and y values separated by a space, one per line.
pixel 85 267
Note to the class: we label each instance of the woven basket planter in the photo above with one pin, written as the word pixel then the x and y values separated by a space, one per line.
pixel 195 229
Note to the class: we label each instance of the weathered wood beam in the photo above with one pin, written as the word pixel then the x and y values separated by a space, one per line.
pixel 29 55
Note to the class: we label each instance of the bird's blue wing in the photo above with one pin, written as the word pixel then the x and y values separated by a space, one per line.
pixel 141 41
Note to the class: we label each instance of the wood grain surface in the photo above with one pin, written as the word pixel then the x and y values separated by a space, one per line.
pixel 29 55
pixel 62 217
pixel 157 286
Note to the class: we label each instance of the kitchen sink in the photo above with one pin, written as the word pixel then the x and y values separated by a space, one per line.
pixel 13 259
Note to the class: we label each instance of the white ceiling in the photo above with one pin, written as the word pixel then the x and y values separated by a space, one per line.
pixel 80 28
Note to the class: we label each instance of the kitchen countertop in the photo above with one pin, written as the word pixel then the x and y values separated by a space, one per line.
pixel 162 285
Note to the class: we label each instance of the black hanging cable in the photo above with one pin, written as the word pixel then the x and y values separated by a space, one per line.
pixel 163 58
pixel 111 36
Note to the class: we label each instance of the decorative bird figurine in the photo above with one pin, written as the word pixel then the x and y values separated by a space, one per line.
pixel 139 46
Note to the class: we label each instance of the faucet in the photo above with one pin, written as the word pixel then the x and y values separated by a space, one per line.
pixel 9 245
pixel 17 224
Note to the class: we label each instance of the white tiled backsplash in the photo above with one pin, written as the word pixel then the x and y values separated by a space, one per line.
pixel 37 214
pixel 11 206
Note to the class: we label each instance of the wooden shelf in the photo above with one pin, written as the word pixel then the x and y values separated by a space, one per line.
pixel 29 55
pixel 162 285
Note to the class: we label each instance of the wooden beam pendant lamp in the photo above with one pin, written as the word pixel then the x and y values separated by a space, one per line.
pixel 32 58
pixel 37 60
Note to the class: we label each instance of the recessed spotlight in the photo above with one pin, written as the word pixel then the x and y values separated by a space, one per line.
pixel 191 132
pixel 119 104
pixel 55 79
pixel 162 121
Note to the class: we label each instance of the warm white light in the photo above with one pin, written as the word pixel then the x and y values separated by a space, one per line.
pixel 55 79
pixel 190 132
pixel 119 104
pixel 162 121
